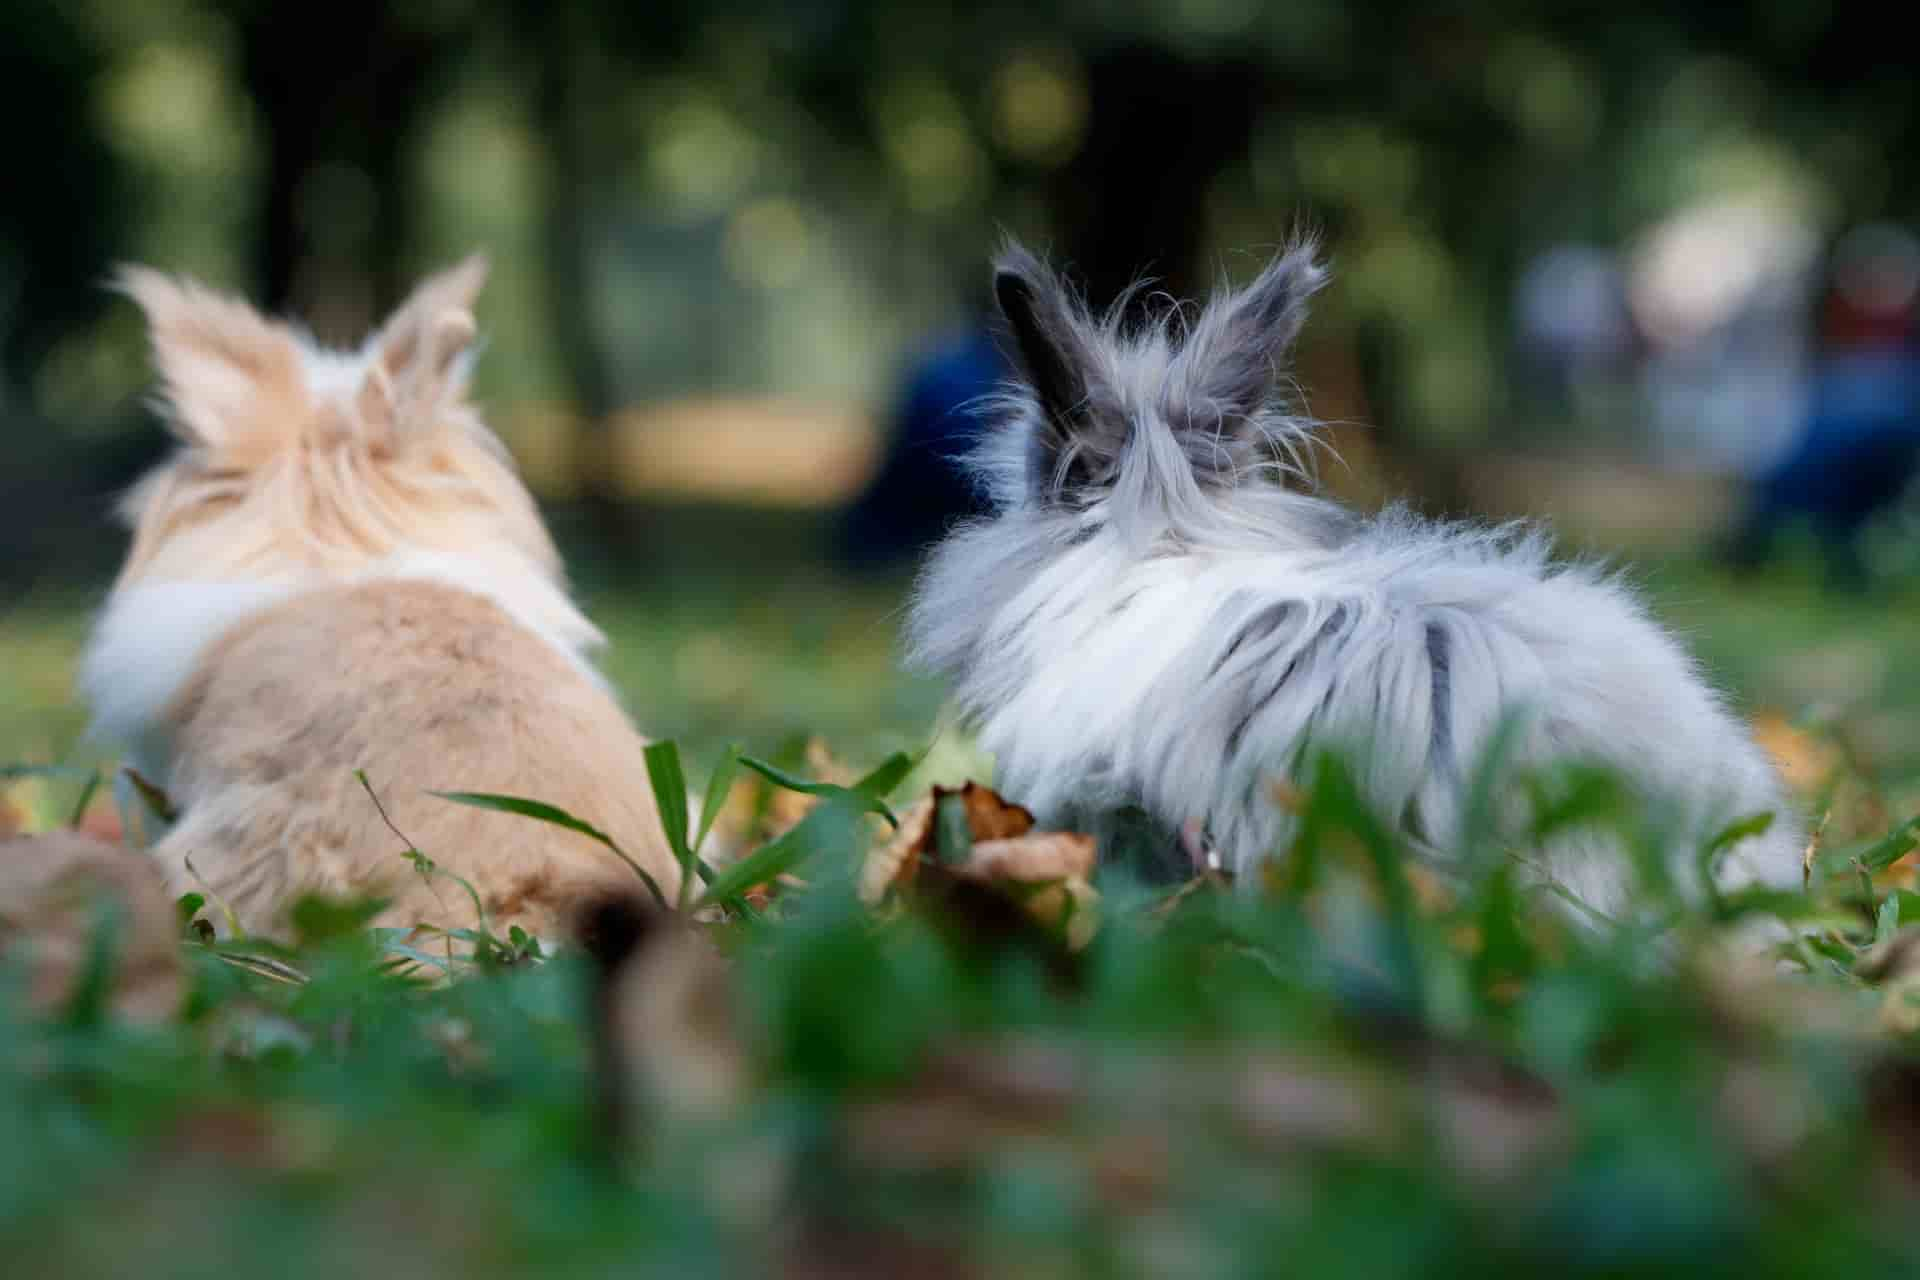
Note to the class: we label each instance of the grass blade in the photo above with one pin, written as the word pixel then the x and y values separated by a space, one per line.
pixel 16 772
pixel 555 816
pixel 889 774
pixel 1888 921
pixel 831 825
pixel 87 793
pixel 1728 836
pixel 719 786
pixel 259 965
pixel 870 791
pixel 669 781
pixel 156 799
pixel 1892 847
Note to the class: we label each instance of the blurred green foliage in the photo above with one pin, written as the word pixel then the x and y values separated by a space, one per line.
pixel 1342 1068
pixel 762 196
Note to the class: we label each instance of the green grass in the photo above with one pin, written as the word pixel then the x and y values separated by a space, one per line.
pixel 1784 641
pixel 1340 1072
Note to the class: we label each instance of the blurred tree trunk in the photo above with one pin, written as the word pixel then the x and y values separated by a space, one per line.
pixel 340 92
pixel 70 204
pixel 1437 476
pixel 569 87
pixel 1133 200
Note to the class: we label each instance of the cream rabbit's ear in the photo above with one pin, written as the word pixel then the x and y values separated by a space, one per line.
pixel 418 362
pixel 227 372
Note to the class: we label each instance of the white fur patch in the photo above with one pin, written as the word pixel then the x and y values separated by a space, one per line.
pixel 334 374
pixel 147 643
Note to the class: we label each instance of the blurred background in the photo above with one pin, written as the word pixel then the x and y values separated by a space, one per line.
pixel 1645 269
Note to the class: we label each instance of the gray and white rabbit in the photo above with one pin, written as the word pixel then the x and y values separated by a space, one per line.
pixel 1161 615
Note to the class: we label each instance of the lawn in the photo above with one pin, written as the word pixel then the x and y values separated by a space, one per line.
pixel 1347 1069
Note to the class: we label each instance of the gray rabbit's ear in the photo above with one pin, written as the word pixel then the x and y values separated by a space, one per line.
pixel 1239 346
pixel 1058 354
pixel 1042 315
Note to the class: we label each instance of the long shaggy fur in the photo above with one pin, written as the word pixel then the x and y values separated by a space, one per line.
pixel 1161 614
pixel 338 570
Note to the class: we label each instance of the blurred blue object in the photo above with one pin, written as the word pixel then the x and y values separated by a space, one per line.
pixel 1856 456
pixel 1861 440
pixel 1859 450
pixel 922 486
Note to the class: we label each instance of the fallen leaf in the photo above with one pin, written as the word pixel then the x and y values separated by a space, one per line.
pixel 52 889
pixel 1048 855
pixel 1804 760
pixel 891 866
pixel 991 818
pixel 1045 873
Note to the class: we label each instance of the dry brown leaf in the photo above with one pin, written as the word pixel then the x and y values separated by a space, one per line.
pixel 1049 855
pixel 989 817
pixel 1049 872
pixel 891 866
pixel 1046 873
pixel 1805 761
pixel 50 887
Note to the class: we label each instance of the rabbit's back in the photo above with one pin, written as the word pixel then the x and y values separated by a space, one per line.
pixel 422 687
pixel 1184 683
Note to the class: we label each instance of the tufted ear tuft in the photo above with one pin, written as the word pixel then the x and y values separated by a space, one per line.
pixel 418 359
pixel 228 374
pixel 1076 435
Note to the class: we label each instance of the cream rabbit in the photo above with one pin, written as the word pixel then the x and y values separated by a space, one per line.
pixel 337 570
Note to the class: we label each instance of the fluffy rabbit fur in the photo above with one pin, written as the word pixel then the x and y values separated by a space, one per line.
pixel 337 570
pixel 1161 614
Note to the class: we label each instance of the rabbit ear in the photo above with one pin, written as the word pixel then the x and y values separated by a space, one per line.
pixel 227 372
pixel 1059 362
pixel 1042 315
pixel 418 359
pixel 1236 350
